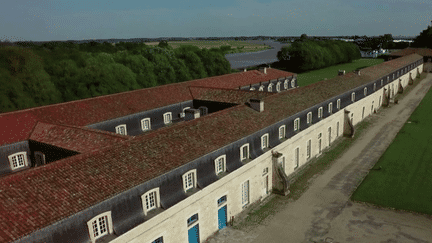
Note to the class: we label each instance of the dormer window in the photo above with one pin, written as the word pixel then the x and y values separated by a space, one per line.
pixel 278 87
pixel 338 104
pixel 261 88
pixel 320 112
pixel 393 75
pixel 382 82
pixel 330 107
pixel 18 160
pixel 265 141
pixel 167 118
pixel 39 158
pixel 286 84
pixel 309 118
pixel 365 91
pixel 297 124
pixel 220 164
pixel 150 200
pixel 189 180
pixel 145 124
pixel 203 110
pixel 182 115
pixel 270 88
pixel 252 89
pixel 374 88
pixel 293 83
pixel 282 132
pixel 388 79
pixel 100 226
pixel 121 129
pixel 353 96
pixel 244 152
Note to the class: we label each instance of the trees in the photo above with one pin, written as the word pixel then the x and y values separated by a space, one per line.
pixel 424 39
pixel 313 54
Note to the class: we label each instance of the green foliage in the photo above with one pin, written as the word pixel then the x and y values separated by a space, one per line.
pixel 314 54
pixel 34 76
pixel 424 39
pixel 163 44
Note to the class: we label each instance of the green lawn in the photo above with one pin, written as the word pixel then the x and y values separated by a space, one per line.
pixel 405 180
pixel 314 76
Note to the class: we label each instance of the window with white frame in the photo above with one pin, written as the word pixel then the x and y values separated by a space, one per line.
pixel 158 240
pixel 353 97
pixel 261 88
pixel 296 157
pixel 245 193
pixel 286 84
pixel 388 78
pixel 183 114
pixel 150 200
pixel 244 152
pixel 382 82
pixel 393 75
pixel 374 87
pixel 330 107
pixel 293 83
pixel 145 124
pixel 252 89
pixel 365 91
pixel 18 160
pixel 167 117
pixel 100 226
pixel 278 87
pixel 297 124
pixel 309 118
pixel 264 141
pixel 121 129
pixel 220 164
pixel 282 132
pixel 397 74
pixel 320 112
pixel 193 219
pixel 338 104
pixel 270 88
pixel 308 148
pixel 189 180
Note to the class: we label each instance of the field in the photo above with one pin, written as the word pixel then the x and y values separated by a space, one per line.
pixel 405 178
pixel 314 76
pixel 238 46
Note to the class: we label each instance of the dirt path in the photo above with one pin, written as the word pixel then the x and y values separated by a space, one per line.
pixel 325 211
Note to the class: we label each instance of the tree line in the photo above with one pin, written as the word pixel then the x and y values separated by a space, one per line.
pixel 307 54
pixel 55 72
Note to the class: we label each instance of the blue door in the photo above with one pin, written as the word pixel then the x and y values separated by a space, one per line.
pixel 222 217
pixel 194 234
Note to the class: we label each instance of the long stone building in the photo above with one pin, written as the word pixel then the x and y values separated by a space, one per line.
pixel 175 163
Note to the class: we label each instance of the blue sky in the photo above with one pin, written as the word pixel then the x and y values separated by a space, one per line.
pixel 44 20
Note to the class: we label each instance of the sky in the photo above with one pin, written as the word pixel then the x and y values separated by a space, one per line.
pixel 46 20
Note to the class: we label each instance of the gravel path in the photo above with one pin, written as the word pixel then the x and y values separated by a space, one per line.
pixel 324 211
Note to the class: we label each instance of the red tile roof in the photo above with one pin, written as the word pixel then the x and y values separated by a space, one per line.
pixel 409 51
pixel 79 139
pixel 17 125
pixel 226 95
pixel 65 187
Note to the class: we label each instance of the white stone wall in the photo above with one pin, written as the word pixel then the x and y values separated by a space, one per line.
pixel 171 223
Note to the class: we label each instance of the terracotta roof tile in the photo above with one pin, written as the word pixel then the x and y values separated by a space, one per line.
pixel 409 51
pixel 77 139
pixel 27 207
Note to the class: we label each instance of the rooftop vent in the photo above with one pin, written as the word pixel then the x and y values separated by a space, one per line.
pixel 357 72
pixel 263 70
pixel 257 104
pixel 341 72
pixel 191 114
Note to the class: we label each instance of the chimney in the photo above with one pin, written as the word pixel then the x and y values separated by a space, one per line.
pixel 257 104
pixel 264 70
pixel 341 72
pixel 357 72
pixel 191 114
